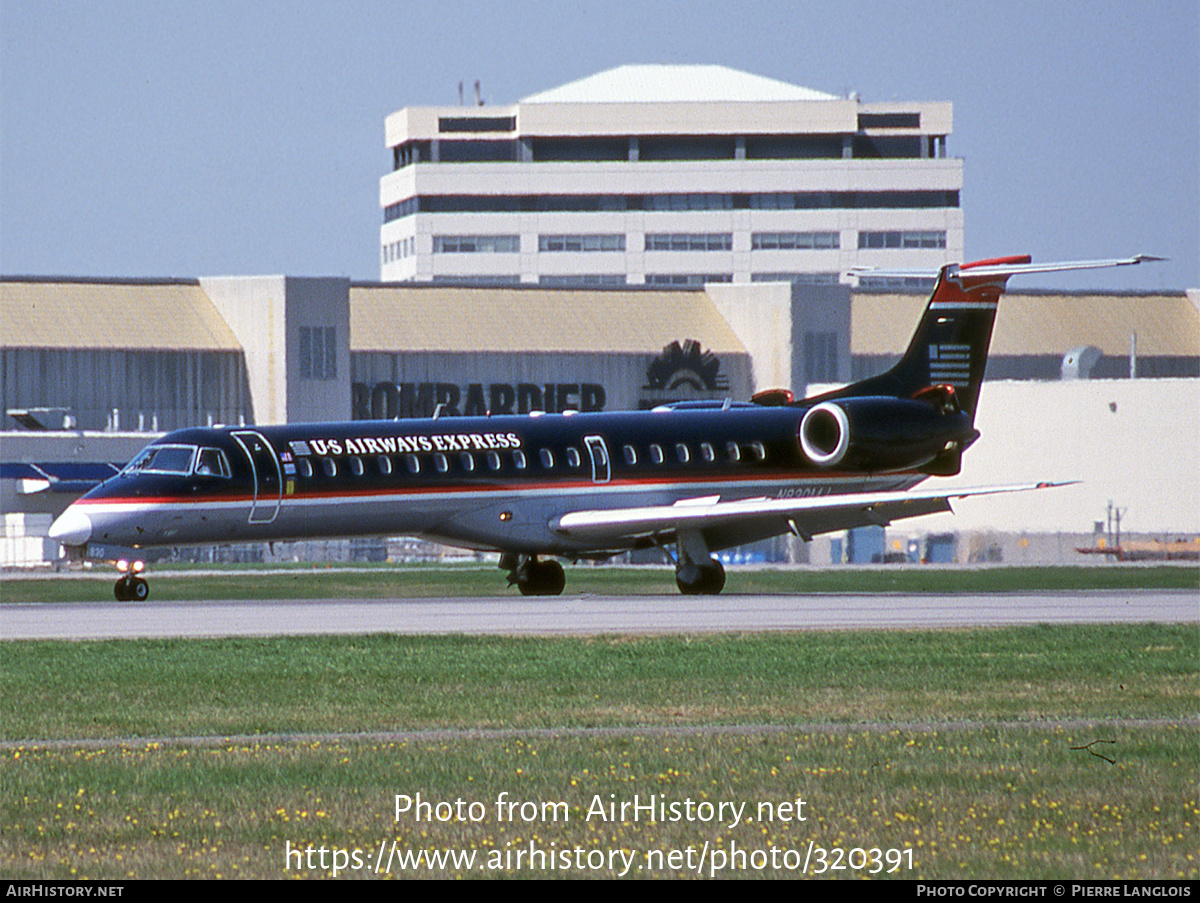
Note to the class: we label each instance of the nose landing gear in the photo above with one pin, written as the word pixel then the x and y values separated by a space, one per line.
pixel 131 587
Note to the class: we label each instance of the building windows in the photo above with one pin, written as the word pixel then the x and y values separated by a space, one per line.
pixel 671 203
pixel 795 147
pixel 677 203
pixel 581 280
pixel 801 278
pixel 794 241
pixel 400 210
pixel 477 279
pixel 581 242
pixel 477 123
pixel 691 280
pixel 578 150
pixel 476 244
pixel 820 357
pixel 854 200
pixel 898 283
pixel 318 352
pixel 891 240
pixel 889 121
pixel 689 241
pixel 399 250
pixel 478 151
pixel 656 148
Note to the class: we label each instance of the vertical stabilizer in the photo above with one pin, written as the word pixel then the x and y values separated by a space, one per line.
pixel 950 344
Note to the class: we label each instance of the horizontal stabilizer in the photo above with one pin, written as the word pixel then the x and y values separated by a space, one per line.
pixel 1007 267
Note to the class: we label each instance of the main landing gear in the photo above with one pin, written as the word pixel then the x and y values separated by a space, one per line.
pixel 700 580
pixel 533 577
pixel 131 587
pixel 697 572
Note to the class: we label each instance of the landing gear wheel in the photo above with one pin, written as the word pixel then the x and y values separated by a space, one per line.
pixel 131 589
pixel 541 578
pixel 701 580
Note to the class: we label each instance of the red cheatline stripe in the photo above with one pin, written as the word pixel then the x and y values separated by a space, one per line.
pixel 507 488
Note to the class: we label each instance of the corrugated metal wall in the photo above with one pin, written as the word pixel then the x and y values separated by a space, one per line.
pixel 178 388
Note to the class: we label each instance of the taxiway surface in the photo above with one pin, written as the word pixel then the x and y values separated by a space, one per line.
pixel 589 615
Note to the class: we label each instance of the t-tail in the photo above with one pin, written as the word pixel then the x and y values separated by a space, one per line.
pixel 921 413
pixel 949 349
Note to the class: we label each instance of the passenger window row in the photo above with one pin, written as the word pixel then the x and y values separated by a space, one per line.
pixel 467 462
pixel 442 462
pixel 705 452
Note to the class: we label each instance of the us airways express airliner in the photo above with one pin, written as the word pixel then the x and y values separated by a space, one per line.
pixel 691 478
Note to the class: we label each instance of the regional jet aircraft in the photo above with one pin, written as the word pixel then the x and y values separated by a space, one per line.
pixel 691 478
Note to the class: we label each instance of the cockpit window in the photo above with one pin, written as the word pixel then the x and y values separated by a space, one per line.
pixel 211 462
pixel 176 459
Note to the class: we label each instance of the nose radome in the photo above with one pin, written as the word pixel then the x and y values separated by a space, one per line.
pixel 73 528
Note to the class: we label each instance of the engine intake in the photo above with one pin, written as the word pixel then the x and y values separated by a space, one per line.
pixel 825 434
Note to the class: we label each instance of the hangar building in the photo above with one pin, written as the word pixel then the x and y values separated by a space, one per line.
pixel 82 391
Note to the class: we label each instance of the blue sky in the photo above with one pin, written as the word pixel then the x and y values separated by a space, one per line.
pixel 229 138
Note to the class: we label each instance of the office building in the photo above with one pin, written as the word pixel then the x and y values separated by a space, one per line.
pixel 668 175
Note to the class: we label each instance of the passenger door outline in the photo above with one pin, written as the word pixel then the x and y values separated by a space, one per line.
pixel 268 479
pixel 598 451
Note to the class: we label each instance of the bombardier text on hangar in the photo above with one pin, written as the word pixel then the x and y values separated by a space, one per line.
pixel 691 478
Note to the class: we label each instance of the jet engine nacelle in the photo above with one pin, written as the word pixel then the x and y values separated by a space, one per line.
pixel 883 433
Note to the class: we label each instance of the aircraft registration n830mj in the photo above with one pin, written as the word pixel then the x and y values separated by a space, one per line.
pixel 691 478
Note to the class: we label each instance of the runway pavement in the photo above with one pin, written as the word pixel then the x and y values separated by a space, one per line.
pixel 589 615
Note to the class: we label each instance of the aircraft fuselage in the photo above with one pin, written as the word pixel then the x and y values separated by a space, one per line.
pixel 495 483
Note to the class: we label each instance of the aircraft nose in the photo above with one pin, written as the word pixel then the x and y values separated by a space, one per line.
pixel 72 528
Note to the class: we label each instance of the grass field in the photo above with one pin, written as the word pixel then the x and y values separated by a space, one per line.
pixel 1050 752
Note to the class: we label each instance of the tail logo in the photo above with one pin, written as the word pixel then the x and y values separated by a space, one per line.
pixel 950 364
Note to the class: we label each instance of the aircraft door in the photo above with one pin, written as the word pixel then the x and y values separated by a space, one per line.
pixel 601 472
pixel 268 481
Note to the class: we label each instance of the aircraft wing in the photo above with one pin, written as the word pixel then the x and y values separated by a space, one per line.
pixel 728 523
